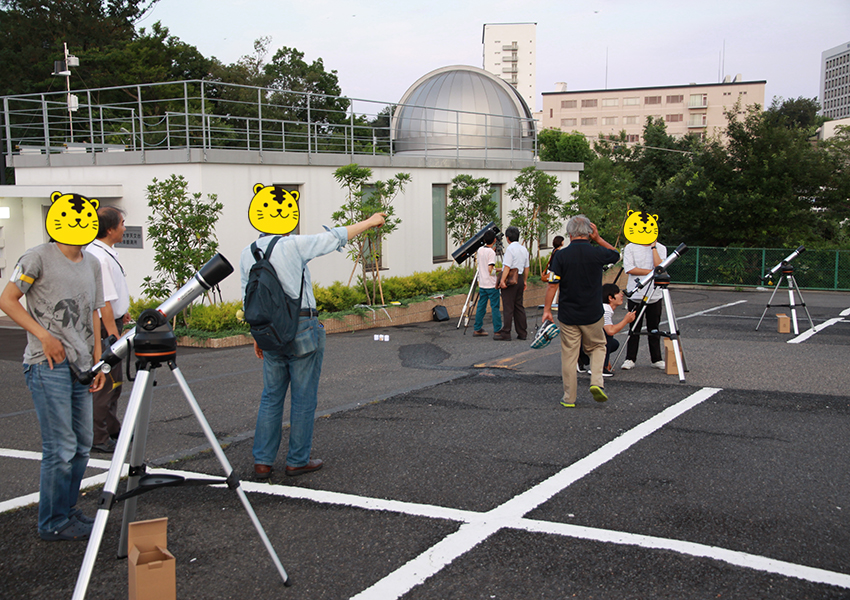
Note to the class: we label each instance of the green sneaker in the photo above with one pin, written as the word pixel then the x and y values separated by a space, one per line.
pixel 567 404
pixel 598 393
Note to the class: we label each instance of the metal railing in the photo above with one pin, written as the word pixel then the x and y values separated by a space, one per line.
pixel 200 114
pixel 815 269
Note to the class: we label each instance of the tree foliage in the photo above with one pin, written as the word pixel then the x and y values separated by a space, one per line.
pixel 539 209
pixel 33 34
pixel 765 185
pixel 558 146
pixel 181 228
pixel 363 199
pixel 471 207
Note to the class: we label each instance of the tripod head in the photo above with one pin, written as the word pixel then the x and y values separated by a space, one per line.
pixel 784 265
pixel 659 274
pixel 152 319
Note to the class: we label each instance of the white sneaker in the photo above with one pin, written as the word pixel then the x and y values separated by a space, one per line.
pixel 628 364
pixel 659 365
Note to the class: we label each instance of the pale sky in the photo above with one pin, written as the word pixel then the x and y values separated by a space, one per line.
pixel 379 48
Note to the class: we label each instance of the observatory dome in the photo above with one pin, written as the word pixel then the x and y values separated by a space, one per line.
pixel 463 110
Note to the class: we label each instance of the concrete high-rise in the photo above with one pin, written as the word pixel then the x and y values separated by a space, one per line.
pixel 835 82
pixel 510 52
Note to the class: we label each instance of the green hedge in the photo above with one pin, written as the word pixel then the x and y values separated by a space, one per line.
pixel 221 317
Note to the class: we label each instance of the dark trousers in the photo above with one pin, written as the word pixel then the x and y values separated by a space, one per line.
pixel 105 402
pixel 513 311
pixel 611 346
pixel 652 314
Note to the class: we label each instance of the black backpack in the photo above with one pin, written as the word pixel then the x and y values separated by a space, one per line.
pixel 272 315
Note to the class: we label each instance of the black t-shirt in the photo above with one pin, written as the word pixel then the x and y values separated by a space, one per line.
pixel 579 266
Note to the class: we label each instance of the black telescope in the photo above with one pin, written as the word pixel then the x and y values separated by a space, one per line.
pixel 209 275
pixel 474 243
pixel 647 279
pixel 784 263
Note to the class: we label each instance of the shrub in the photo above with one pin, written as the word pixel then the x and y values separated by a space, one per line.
pixel 216 317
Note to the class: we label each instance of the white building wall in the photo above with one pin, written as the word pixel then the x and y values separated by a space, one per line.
pixel 509 45
pixel 407 250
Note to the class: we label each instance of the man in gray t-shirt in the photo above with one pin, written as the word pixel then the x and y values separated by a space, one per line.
pixel 64 290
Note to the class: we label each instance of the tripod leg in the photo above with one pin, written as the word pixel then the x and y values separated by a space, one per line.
pixel 468 313
pixel 769 302
pixel 143 381
pixel 803 303
pixel 468 296
pixel 674 335
pixel 137 460
pixel 233 482
pixel 642 309
pixel 792 305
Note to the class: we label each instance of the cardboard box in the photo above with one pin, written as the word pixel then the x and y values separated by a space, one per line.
pixel 783 323
pixel 152 567
pixel 670 357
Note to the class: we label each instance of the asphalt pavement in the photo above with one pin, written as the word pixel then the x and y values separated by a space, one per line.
pixel 452 471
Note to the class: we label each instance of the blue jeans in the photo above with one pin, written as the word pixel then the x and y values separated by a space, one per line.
pixel 64 409
pixel 488 295
pixel 299 367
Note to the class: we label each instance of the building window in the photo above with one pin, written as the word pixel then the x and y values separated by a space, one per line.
pixel 675 99
pixel 674 118
pixel 568 104
pixel 609 120
pixel 652 100
pixel 609 102
pixel 496 196
pixel 698 101
pixel 635 101
pixel 633 138
pixel 589 103
pixel 568 122
pixel 698 120
pixel 588 121
pixel 439 232
pixel 632 120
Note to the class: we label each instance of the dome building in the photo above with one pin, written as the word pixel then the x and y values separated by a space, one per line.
pixel 463 111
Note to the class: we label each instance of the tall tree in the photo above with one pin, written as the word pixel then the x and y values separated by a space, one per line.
pixel 32 34
pixel 539 209
pixel 471 207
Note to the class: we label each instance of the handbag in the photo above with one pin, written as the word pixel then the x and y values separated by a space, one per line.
pixel 513 277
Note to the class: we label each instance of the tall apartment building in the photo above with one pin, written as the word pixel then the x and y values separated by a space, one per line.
pixel 684 108
pixel 510 52
pixel 835 82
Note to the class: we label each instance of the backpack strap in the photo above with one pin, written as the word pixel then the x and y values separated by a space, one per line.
pixel 258 254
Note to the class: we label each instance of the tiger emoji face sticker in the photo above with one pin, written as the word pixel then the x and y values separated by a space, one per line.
pixel 273 209
pixel 641 227
pixel 72 219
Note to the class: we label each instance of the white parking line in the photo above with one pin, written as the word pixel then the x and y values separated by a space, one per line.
pixel 810 332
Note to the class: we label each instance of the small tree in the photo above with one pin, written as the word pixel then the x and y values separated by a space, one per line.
pixel 471 207
pixel 363 200
pixel 540 210
pixel 182 230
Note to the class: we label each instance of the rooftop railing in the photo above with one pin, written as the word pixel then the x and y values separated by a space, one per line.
pixel 206 115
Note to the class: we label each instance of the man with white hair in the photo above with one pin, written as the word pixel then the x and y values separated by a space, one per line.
pixel 580 314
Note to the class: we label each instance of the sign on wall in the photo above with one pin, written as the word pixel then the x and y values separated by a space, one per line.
pixel 133 238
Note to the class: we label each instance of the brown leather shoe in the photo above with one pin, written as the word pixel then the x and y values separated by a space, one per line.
pixel 480 333
pixel 262 471
pixel 502 337
pixel 313 465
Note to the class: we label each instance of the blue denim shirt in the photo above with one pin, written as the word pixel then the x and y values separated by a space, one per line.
pixel 290 258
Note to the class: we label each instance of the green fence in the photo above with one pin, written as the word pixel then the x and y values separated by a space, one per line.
pixel 813 269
